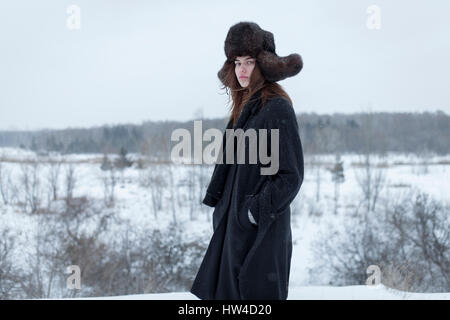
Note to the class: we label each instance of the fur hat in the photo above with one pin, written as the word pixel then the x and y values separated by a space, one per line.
pixel 248 39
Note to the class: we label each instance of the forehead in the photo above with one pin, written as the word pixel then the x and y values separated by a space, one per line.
pixel 243 58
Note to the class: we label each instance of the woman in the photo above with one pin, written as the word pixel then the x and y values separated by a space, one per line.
pixel 249 255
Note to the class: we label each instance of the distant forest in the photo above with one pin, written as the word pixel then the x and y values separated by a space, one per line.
pixel 375 132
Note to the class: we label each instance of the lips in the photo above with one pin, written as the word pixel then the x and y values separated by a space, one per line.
pixel 243 77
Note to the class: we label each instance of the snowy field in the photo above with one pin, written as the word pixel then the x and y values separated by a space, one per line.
pixel 376 292
pixel 310 218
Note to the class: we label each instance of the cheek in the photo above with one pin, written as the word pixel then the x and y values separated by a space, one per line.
pixel 251 69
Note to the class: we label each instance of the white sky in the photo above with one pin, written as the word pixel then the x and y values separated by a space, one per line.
pixel 133 61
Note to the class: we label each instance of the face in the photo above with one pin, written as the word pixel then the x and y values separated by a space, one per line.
pixel 243 67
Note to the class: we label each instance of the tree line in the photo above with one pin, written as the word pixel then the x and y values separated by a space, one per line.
pixel 376 132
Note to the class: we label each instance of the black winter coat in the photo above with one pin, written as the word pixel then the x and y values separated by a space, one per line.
pixel 244 260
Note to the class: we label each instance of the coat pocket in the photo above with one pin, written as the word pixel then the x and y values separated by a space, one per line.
pixel 249 216
pixel 242 215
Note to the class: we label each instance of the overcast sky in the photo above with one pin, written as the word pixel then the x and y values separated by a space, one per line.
pixel 133 61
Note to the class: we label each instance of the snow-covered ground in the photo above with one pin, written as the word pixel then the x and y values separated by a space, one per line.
pixel 376 292
pixel 403 172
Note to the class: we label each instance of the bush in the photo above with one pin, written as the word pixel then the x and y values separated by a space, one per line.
pixel 409 241
pixel 10 276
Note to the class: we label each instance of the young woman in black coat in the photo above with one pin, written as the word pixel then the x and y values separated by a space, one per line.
pixel 249 255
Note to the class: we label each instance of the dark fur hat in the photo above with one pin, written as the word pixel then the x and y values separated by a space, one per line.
pixel 247 38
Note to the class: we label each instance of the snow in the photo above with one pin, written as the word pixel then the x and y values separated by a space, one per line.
pixel 376 292
pixel 403 172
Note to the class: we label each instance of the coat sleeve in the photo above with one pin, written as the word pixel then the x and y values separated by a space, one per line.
pixel 217 182
pixel 280 189
pixel 210 198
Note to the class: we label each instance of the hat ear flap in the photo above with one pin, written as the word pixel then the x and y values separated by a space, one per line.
pixel 223 72
pixel 275 68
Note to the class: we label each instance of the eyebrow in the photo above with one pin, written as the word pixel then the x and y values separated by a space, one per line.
pixel 244 59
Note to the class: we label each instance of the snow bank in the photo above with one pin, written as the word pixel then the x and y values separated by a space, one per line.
pixel 363 292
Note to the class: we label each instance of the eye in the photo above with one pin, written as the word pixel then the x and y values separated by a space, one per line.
pixel 250 62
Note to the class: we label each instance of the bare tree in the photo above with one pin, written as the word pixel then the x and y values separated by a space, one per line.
pixel 409 240
pixel 181 259
pixel 34 281
pixel 322 141
pixel 315 160
pixel 424 156
pixel 73 236
pixel 427 228
pixel 70 181
pixel 182 198
pixel 202 185
pixel 10 276
pixel 31 186
pixel 337 176
pixel 189 182
pixel 53 176
pixel 121 163
pixel 109 180
pixel 153 179
pixel 106 163
pixel 5 183
pixel 373 178
pixel 172 190
pixel 371 181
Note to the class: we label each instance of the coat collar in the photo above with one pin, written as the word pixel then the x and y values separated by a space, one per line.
pixel 250 108
pixel 215 187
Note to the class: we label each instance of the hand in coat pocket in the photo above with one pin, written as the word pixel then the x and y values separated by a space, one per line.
pixel 251 218
pixel 253 215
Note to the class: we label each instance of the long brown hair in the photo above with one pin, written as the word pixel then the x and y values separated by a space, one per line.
pixel 240 96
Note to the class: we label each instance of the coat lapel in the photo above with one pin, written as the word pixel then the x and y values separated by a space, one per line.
pixel 221 170
pixel 248 110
